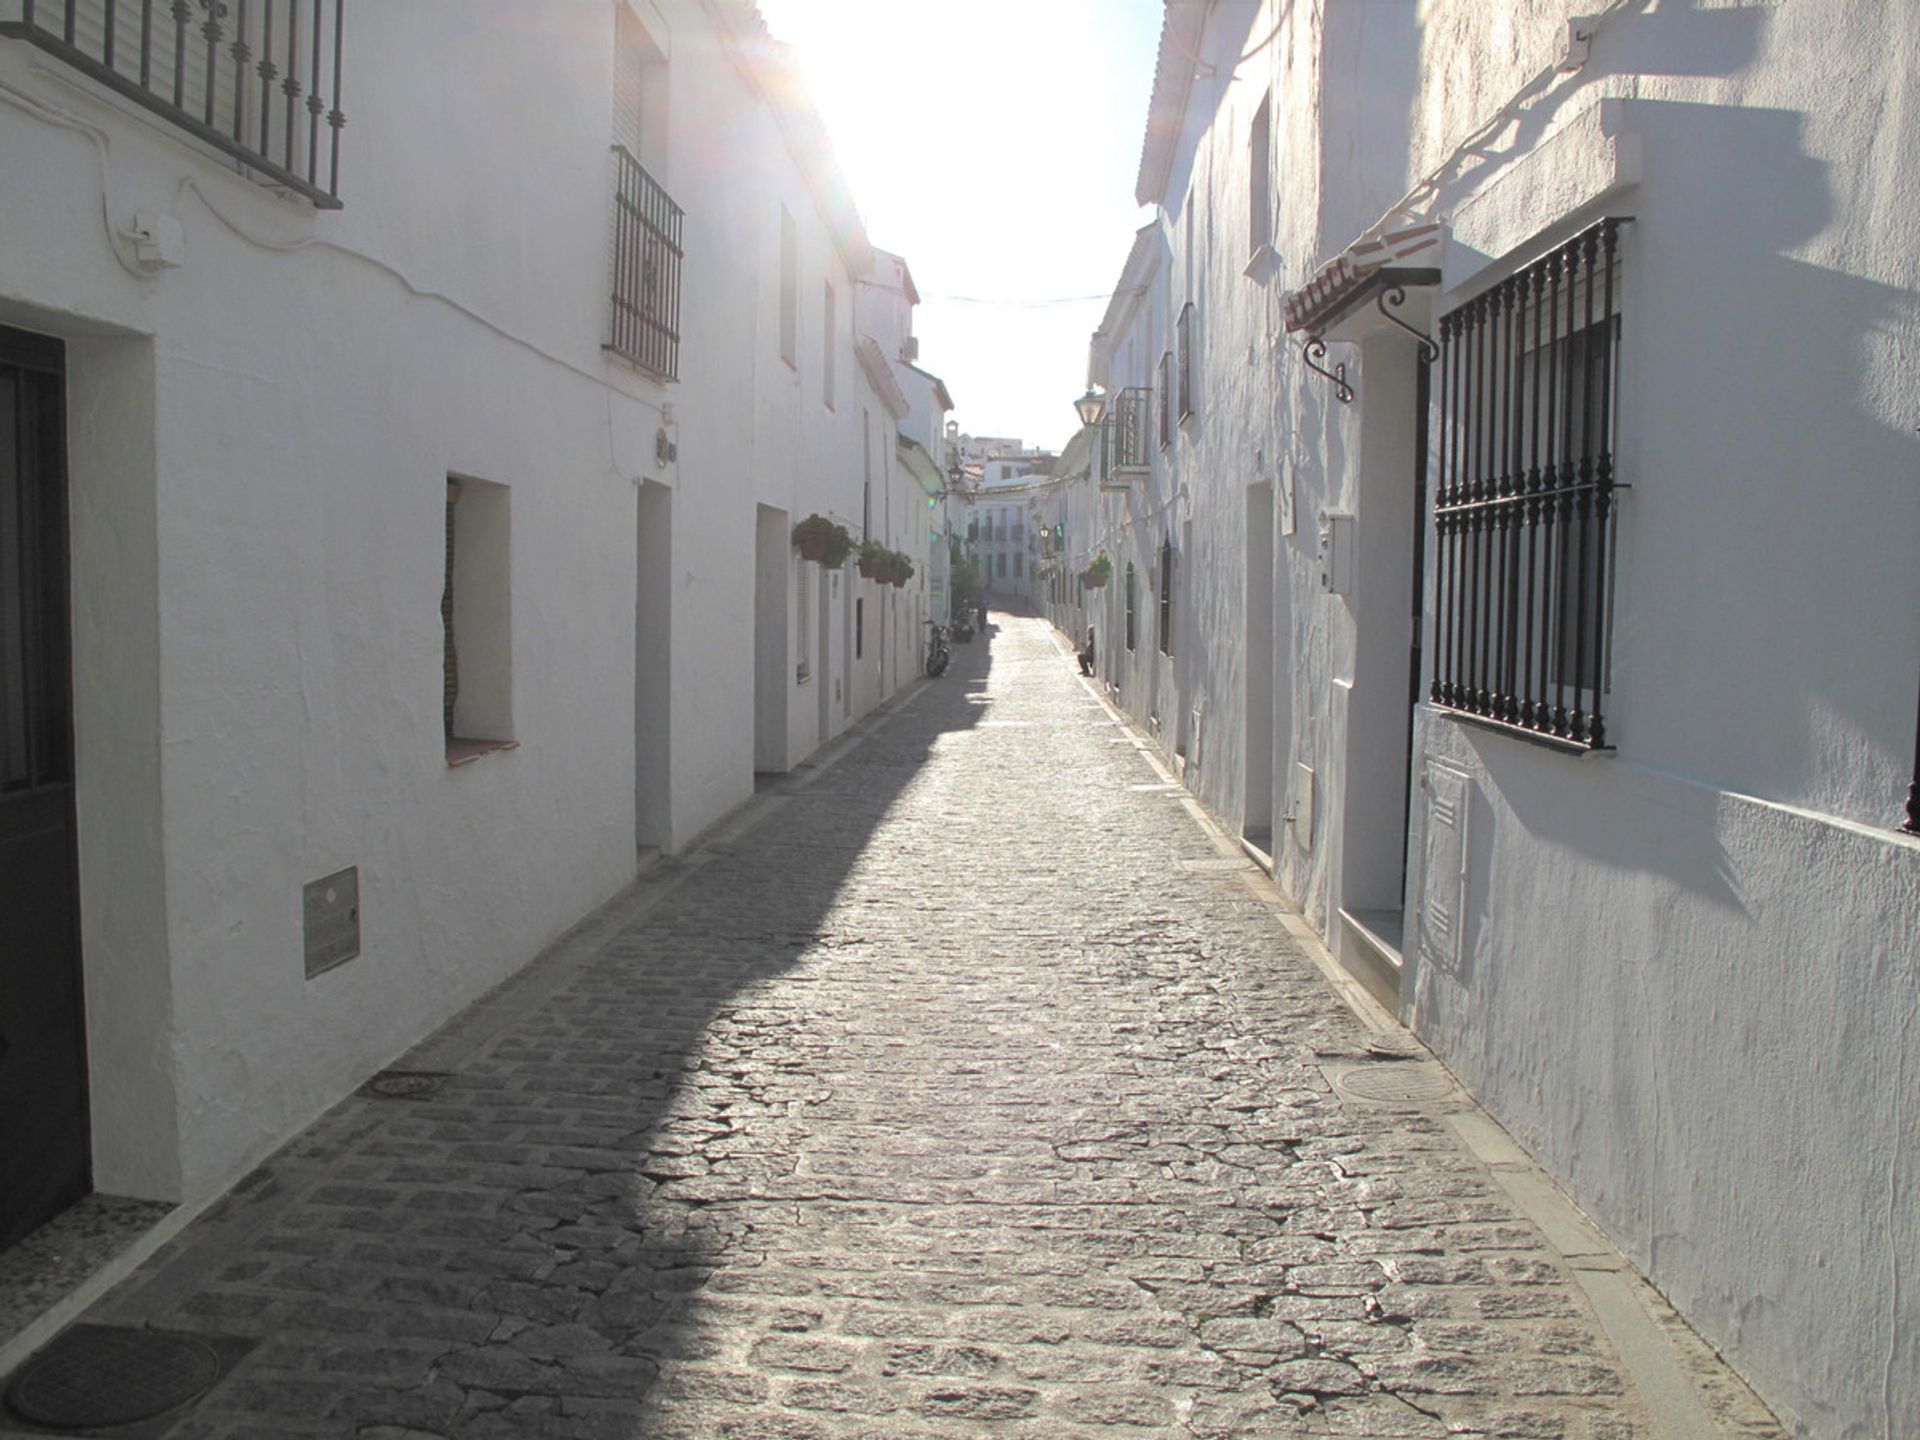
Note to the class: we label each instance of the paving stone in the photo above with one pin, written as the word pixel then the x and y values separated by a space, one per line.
pixel 965 1093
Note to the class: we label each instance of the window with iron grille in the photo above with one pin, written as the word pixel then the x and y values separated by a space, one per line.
pixel 257 79
pixel 1524 503
pixel 1130 604
pixel 1166 398
pixel 1166 597
pixel 645 317
pixel 1185 359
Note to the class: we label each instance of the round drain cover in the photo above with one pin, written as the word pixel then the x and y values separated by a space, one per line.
pixel 403 1084
pixel 97 1375
pixel 1396 1084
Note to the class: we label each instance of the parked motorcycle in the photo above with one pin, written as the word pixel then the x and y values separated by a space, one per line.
pixel 937 653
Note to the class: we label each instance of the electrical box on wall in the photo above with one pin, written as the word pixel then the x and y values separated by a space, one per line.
pixel 331 911
pixel 1336 552
pixel 1299 818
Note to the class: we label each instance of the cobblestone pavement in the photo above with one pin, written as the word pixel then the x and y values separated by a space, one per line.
pixel 971 1091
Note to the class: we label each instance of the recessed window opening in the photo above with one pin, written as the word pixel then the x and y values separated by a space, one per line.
pixel 1166 596
pixel 1132 604
pixel 828 346
pixel 1260 178
pixel 1525 506
pixel 789 289
pixel 802 619
pixel 476 614
pixel 1166 398
pixel 1185 359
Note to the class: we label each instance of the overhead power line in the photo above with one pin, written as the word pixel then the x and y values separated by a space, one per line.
pixel 1017 304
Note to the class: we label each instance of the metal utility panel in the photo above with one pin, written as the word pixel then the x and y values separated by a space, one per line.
pixel 332 908
pixel 1301 816
pixel 1444 880
pixel 1336 553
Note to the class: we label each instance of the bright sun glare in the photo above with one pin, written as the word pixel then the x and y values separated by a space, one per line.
pixel 997 153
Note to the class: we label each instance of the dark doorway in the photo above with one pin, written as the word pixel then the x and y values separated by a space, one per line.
pixel 43 1073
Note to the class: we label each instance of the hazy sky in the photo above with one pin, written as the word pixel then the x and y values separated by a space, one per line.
pixel 994 143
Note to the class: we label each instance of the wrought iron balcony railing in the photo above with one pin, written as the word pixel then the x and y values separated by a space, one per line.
pixel 646 269
pixel 256 79
pixel 1124 443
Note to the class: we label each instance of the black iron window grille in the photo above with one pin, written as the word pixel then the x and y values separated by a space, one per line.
pixel 1185 341
pixel 646 269
pixel 256 79
pixel 1123 433
pixel 1166 597
pixel 1525 507
pixel 1166 398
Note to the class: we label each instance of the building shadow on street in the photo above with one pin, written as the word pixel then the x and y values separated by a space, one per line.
pixel 548 1204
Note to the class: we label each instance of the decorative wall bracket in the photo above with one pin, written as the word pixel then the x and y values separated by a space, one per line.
pixel 1396 296
pixel 1313 349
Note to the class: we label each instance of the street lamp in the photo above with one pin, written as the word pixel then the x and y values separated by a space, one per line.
pixel 1091 406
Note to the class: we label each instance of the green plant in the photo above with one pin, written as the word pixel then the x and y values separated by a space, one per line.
pixel 818 538
pixel 1099 570
pixel 873 559
pixel 902 570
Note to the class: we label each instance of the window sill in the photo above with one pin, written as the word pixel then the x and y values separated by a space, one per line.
pixel 461 751
pixel 1521 732
pixel 1261 266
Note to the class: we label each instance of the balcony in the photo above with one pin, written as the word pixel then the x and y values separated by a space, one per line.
pixel 251 78
pixel 1123 437
pixel 646 270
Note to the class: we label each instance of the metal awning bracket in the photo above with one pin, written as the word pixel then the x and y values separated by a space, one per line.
pixel 1313 349
pixel 1396 296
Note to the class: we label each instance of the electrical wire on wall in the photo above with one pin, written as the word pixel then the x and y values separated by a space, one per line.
pixel 118 236
pixel 66 120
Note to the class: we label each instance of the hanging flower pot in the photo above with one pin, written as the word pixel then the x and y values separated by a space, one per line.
pixel 820 540
pixel 901 570
pixel 1097 573
pixel 873 560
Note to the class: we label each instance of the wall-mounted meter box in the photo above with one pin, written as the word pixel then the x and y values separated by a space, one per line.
pixel 1336 552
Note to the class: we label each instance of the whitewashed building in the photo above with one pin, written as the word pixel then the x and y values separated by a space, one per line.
pixel 408 502
pixel 1510 484
pixel 888 298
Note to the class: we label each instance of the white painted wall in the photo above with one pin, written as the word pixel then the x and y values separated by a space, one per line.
pixel 1690 974
pixel 260 443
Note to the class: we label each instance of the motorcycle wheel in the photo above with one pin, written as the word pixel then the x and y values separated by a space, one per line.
pixel 937 663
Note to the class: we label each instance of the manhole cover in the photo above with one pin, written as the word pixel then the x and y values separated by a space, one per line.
pixel 1396 1084
pixel 404 1084
pixel 96 1375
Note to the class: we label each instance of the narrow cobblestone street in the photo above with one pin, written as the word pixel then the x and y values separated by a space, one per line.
pixel 969 1089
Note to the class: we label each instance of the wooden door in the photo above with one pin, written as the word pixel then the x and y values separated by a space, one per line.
pixel 43 1082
